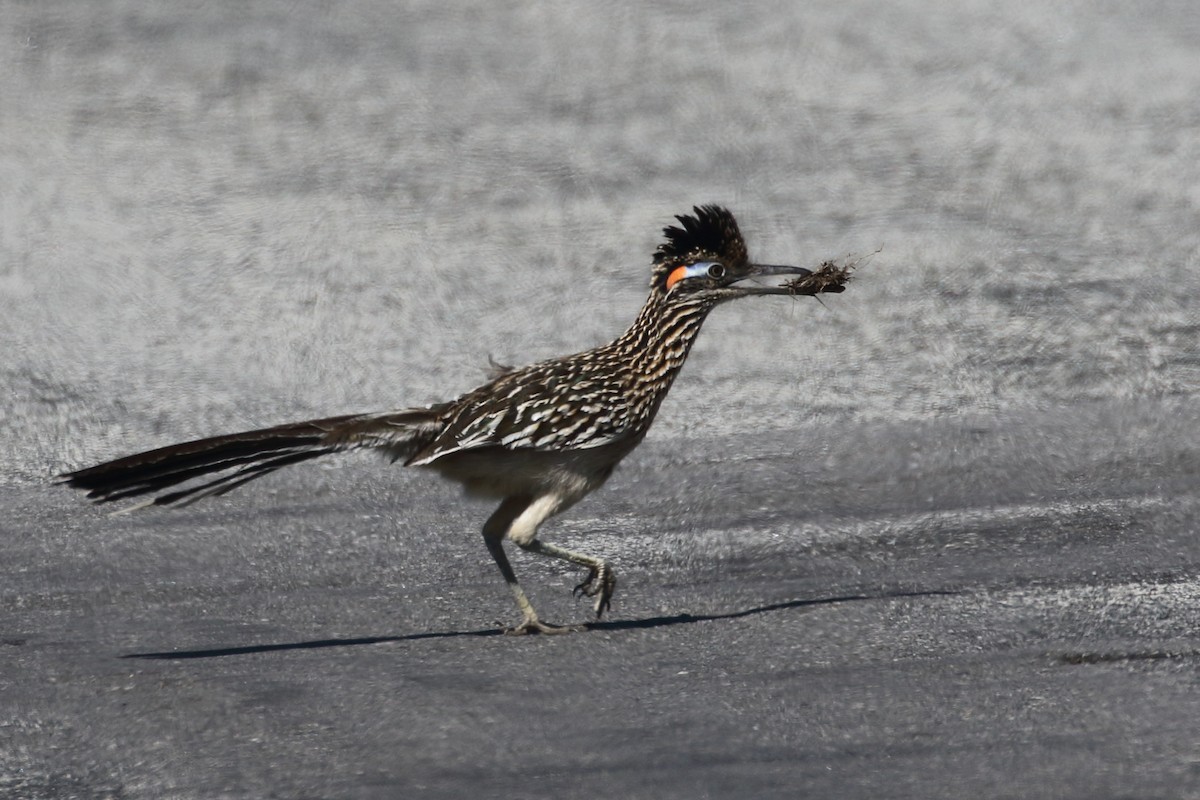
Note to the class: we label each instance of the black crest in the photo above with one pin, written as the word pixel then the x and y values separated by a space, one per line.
pixel 709 233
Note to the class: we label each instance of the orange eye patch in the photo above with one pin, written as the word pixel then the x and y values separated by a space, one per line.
pixel 677 274
pixel 700 269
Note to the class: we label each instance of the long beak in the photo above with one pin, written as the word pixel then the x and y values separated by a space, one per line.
pixel 765 271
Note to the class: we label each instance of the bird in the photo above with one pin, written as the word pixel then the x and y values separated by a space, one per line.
pixel 537 438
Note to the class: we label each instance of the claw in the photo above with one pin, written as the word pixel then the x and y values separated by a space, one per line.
pixel 531 626
pixel 600 583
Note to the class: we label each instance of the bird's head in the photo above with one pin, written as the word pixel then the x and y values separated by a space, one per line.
pixel 706 256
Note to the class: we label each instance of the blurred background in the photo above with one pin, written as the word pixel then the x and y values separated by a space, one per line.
pixel 221 215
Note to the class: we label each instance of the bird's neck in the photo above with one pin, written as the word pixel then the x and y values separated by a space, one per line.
pixel 658 342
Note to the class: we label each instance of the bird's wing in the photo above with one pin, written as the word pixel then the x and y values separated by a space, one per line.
pixel 533 409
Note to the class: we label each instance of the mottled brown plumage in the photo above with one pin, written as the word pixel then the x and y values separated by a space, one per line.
pixel 539 438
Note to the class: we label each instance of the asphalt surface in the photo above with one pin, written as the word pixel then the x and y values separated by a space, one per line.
pixel 933 538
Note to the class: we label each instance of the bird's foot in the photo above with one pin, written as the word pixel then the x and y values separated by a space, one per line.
pixel 535 625
pixel 600 583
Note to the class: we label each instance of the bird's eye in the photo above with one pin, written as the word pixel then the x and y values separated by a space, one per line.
pixel 716 270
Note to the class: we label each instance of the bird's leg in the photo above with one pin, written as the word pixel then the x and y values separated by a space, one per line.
pixel 530 623
pixel 601 581
pixel 493 534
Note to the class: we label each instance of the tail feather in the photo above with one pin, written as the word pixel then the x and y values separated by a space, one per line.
pixel 243 457
pixel 227 483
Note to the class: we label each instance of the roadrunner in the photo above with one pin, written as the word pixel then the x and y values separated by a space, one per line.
pixel 539 438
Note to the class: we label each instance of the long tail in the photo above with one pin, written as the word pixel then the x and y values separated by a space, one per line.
pixel 242 457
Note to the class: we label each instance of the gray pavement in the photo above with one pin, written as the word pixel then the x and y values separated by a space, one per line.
pixel 935 538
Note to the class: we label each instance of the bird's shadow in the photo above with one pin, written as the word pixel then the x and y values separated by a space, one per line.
pixel 610 625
